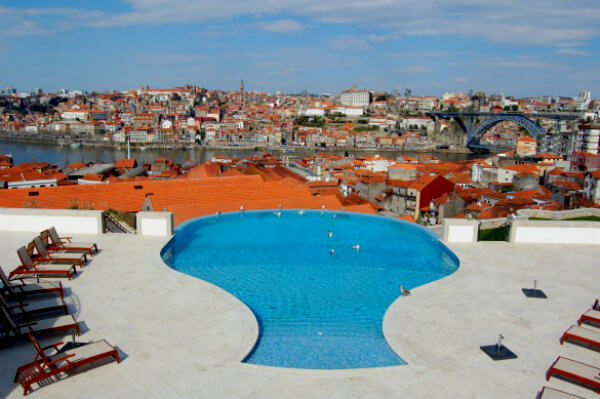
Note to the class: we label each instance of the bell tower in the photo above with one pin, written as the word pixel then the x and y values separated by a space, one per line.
pixel 242 94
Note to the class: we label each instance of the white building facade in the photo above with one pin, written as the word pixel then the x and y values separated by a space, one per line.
pixel 588 138
pixel 356 98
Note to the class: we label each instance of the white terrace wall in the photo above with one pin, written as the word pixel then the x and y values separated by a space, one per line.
pixel 460 230
pixel 154 223
pixel 555 232
pixel 559 215
pixel 68 221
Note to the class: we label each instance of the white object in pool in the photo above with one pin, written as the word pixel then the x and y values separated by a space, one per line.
pixel 356 247
pixel 330 234
pixel 301 212
pixel 278 214
pixel 332 251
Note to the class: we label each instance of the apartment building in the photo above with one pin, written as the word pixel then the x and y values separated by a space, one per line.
pixel 588 138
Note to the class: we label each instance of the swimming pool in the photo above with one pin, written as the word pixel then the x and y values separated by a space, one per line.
pixel 318 282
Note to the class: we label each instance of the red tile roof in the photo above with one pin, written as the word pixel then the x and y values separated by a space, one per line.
pixel 125 163
pixel 186 198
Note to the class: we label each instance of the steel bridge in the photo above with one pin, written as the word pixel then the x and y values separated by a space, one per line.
pixel 474 132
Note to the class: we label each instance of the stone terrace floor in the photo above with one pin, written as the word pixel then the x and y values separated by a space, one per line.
pixel 182 337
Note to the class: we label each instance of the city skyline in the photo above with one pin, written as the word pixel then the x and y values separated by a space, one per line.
pixel 547 48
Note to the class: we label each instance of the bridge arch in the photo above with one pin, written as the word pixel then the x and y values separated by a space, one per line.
pixel 476 134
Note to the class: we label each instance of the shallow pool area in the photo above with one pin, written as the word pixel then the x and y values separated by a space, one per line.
pixel 318 282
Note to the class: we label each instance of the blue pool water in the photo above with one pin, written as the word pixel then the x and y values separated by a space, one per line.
pixel 315 309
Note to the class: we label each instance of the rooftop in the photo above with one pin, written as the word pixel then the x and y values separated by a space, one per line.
pixel 183 337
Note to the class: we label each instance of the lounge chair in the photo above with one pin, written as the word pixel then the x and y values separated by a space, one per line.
pixel 582 335
pixel 29 268
pixel 45 366
pixel 15 329
pixel 45 237
pixel 590 317
pixel 21 309
pixel 65 243
pixel 43 255
pixel 577 372
pixel 17 288
pixel 551 393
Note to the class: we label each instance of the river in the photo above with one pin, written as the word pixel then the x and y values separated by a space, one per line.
pixel 60 155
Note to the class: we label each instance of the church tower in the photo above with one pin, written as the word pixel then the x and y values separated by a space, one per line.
pixel 242 94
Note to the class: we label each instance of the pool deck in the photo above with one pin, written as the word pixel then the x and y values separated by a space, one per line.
pixel 182 337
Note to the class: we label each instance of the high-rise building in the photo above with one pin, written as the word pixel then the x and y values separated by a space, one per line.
pixel 585 95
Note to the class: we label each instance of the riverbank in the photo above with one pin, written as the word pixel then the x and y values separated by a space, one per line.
pixel 64 155
pixel 49 139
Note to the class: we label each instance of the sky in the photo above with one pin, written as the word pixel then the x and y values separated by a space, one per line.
pixel 514 47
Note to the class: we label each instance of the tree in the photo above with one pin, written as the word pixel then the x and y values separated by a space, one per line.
pixel 515 108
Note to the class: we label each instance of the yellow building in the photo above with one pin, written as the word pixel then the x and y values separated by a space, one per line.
pixel 526 146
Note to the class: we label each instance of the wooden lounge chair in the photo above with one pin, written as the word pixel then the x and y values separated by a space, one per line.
pixel 551 393
pixel 582 335
pixel 15 330
pixel 21 309
pixel 577 372
pixel 45 237
pixel 45 366
pixel 29 268
pixel 66 243
pixel 43 255
pixel 590 317
pixel 17 288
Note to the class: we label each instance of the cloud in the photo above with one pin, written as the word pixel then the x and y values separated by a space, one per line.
pixel 535 22
pixel 417 69
pixel 282 26
pixel 572 51
pixel 349 42
pixel 523 62
pixel 461 79
pixel 18 21
pixel 418 54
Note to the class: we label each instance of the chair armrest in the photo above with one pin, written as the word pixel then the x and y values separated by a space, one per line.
pixel 33 323
pixel 55 346
pixel 60 359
